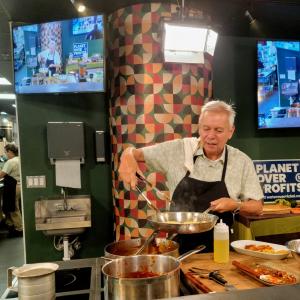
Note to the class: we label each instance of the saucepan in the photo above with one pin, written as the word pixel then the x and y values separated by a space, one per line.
pixel 131 247
pixel 143 276
pixel 180 222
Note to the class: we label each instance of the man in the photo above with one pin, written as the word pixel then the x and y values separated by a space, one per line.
pixel 95 34
pixel 203 172
pixel 11 192
pixel 50 58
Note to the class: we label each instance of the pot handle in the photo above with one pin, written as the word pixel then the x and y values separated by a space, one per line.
pixel 191 252
pixel 107 259
pixel 10 278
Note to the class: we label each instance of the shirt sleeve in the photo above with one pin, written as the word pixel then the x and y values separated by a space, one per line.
pixel 160 157
pixel 7 168
pixel 251 188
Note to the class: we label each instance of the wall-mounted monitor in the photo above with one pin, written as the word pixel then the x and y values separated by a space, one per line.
pixel 59 57
pixel 278 79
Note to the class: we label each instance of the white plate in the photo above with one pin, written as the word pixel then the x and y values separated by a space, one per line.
pixel 239 246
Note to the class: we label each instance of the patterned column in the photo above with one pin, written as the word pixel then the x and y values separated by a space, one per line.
pixel 150 102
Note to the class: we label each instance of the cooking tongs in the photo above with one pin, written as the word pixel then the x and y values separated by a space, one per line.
pixel 158 191
pixel 146 198
pixel 213 275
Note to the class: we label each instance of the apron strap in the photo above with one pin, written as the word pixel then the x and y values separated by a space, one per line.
pixel 225 164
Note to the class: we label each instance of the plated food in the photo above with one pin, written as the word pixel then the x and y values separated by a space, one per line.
pixel 265 248
pixel 265 274
pixel 260 249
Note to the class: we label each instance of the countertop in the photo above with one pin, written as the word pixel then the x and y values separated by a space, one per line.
pixel 240 280
pixel 274 293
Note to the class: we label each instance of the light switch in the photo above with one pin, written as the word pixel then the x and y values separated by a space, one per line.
pixel 36 181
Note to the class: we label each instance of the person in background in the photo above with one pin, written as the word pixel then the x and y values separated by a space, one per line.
pixel 50 58
pixel 95 34
pixel 11 191
pixel 202 172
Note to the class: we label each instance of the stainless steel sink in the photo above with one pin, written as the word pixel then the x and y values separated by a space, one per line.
pixel 54 217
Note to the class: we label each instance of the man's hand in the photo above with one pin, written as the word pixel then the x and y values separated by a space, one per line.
pixel 250 206
pixel 129 167
pixel 223 204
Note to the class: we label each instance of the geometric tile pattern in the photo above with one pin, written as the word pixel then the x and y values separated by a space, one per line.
pixel 150 102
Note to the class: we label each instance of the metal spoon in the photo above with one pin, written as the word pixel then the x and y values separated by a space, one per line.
pixel 147 242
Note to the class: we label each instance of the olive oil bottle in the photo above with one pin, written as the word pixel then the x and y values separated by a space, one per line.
pixel 221 243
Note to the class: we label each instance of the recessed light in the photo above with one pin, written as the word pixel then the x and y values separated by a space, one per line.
pixel 81 8
pixel 8 96
pixel 4 81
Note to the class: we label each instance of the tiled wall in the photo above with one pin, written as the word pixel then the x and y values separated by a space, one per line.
pixel 150 102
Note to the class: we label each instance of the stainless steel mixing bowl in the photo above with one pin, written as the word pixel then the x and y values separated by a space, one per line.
pixel 294 246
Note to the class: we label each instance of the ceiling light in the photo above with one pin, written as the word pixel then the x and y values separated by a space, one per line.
pixel 13 105
pixel 3 113
pixel 81 8
pixel 4 81
pixel 194 41
pixel 7 96
pixel 250 17
pixel 185 41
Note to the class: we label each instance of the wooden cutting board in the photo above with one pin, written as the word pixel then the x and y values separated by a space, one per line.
pixel 232 274
pixel 295 210
pixel 276 209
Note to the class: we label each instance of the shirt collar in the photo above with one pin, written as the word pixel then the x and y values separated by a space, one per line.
pixel 200 152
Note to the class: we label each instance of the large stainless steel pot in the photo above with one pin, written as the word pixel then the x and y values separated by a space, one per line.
pixel 165 283
pixel 130 247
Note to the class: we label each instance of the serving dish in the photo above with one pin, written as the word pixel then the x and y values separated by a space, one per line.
pixel 266 275
pixel 280 250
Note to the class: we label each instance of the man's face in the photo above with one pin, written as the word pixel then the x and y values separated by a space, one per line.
pixel 9 154
pixel 52 46
pixel 215 131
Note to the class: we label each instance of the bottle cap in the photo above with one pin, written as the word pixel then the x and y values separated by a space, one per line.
pixel 221 226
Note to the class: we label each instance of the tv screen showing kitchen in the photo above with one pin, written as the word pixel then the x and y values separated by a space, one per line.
pixel 59 57
pixel 278 78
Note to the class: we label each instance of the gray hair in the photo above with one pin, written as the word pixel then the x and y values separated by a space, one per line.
pixel 219 106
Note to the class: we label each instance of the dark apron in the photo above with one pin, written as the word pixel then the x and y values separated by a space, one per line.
pixel 48 63
pixel 9 194
pixel 195 195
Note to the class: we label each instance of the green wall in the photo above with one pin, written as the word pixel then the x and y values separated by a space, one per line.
pixel 34 111
pixel 234 79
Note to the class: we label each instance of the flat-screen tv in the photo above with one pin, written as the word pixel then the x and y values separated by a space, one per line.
pixel 278 79
pixel 59 57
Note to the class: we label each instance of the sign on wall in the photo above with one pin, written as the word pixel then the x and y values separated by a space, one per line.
pixel 80 50
pixel 279 178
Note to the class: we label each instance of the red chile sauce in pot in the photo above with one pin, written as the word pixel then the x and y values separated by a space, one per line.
pixel 141 274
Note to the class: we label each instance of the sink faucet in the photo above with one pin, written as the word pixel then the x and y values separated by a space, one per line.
pixel 63 191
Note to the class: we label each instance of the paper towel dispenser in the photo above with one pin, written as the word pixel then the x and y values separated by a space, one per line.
pixel 65 141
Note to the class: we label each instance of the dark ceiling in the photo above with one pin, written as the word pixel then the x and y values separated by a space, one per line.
pixel 276 19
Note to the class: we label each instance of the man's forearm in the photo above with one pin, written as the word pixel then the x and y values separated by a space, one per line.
pixel 252 207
